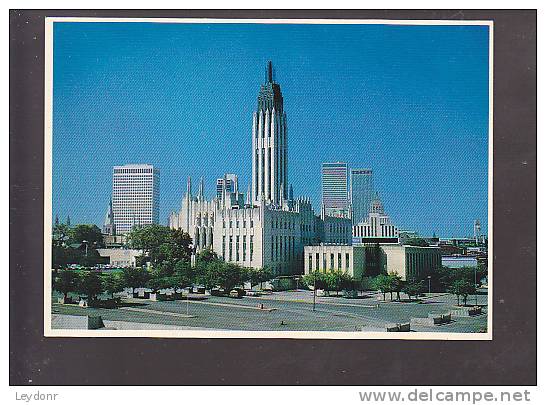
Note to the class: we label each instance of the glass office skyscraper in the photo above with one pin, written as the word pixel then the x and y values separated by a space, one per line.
pixel 361 193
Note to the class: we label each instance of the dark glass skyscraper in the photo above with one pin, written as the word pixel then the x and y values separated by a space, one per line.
pixel 361 194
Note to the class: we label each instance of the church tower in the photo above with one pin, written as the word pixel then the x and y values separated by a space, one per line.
pixel 269 144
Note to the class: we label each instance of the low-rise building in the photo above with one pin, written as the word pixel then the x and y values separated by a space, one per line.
pixel 410 262
pixel 457 261
pixel 121 257
pixel 324 258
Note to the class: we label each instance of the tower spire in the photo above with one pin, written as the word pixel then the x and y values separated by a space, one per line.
pixel 201 188
pixel 270 72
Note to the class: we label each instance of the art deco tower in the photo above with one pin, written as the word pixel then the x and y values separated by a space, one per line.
pixel 269 145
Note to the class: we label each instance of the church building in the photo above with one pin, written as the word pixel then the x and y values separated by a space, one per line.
pixel 267 226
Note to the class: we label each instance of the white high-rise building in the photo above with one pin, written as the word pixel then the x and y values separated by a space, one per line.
pixel 377 227
pixel 135 196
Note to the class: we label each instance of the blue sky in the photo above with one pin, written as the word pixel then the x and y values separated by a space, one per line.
pixel 410 102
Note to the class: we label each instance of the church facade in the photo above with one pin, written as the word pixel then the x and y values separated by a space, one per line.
pixel 267 226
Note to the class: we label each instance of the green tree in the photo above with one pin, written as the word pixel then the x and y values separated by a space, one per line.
pixel 337 280
pixel 160 243
pixel 184 275
pixel 90 285
pixel 89 233
pixel 66 282
pixel 382 283
pixel 259 275
pixel 230 275
pixel 134 277
pixel 206 256
pixel 156 280
pixel 112 283
pixel 60 234
pixel 462 288
pixel 413 288
pixel 396 284
pixel 316 279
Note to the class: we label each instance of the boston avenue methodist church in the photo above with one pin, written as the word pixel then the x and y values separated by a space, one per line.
pixel 268 228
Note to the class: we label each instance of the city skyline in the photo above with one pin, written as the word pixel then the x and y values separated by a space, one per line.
pixel 406 211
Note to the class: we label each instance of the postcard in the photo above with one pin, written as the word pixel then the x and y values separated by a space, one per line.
pixel 303 179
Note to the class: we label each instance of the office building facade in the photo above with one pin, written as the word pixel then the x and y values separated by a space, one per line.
pixel 335 197
pixel 135 196
pixel 361 193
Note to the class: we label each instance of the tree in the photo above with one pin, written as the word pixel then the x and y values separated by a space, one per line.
pixel 206 256
pixel 229 275
pixel 446 276
pixel 160 243
pixel 413 288
pixel 112 283
pixel 395 284
pixel 66 282
pixel 156 280
pixel 461 288
pixel 316 280
pixel 258 276
pixel 337 280
pixel 89 233
pixel 184 274
pixel 382 283
pixel 134 277
pixel 178 247
pixel 60 234
pixel 90 285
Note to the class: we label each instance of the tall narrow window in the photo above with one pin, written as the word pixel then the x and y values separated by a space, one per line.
pixel 230 247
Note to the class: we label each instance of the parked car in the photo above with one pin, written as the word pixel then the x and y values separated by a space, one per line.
pixel 236 293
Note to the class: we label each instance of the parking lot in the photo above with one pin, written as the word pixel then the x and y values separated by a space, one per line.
pixel 286 311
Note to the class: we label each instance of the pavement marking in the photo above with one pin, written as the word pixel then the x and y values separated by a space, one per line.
pixel 151 311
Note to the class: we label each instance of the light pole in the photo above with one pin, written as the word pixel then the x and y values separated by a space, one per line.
pixel 475 286
pixel 314 288
pixel 429 277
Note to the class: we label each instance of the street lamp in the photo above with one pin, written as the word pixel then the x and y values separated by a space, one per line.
pixel 475 286
pixel 314 288
pixel 429 277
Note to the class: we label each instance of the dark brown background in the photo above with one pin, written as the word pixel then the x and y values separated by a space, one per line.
pixel 510 359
